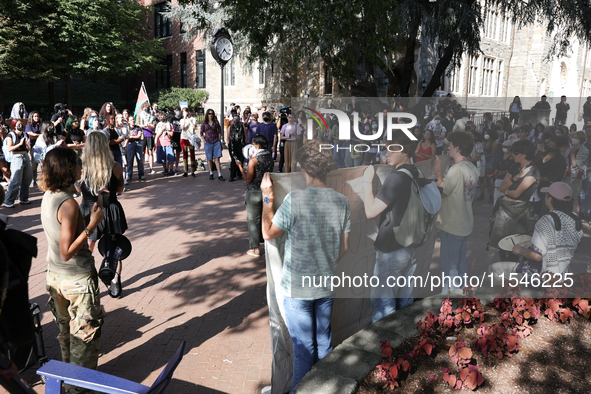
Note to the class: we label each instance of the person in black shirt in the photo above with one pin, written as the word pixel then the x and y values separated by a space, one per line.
pixel 236 141
pixel 391 258
pixel 18 144
pixel 542 104
pixel 448 122
pixel 60 117
pixel 561 111
pixel 175 121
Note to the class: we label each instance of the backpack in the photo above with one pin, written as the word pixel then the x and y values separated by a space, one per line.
pixel 417 221
pixel 7 154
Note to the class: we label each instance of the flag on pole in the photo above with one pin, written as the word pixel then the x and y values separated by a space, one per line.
pixel 142 97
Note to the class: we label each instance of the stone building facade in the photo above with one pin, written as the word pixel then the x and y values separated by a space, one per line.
pixel 515 62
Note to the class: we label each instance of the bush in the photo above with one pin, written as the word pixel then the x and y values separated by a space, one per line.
pixel 169 98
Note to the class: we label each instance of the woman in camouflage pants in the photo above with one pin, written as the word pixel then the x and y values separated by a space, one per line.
pixel 72 281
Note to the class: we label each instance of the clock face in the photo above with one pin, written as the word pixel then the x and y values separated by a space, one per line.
pixel 224 49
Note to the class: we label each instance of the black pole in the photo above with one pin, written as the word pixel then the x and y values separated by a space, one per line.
pixel 222 115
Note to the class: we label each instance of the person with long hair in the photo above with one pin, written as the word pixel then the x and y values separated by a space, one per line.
pixel 211 133
pixel 48 140
pixel 33 130
pixel 258 165
pixel 74 135
pixel 511 213
pixel 103 178
pixel 281 141
pixel 514 110
pixel 72 280
pixel 426 149
pixel 115 139
pixel 107 110
pixel 236 138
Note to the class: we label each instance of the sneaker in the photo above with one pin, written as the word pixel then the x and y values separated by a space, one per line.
pixel 185 174
pixel 211 177
pixel 126 182
pixel 193 174
pixel 26 202
pixel 6 205
pixel 152 171
pixel 221 178
pixel 142 178
pixel 165 173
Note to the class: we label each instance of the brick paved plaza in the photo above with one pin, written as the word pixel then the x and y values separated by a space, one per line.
pixel 188 278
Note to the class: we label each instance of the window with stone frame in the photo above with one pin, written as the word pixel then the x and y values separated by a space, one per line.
pixel 455 78
pixel 230 73
pixel 488 71
pixel 499 78
pixel 473 75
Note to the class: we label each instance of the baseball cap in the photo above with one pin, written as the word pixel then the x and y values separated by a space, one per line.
pixel 559 190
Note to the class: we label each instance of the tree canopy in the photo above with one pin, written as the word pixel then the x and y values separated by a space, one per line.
pixel 90 38
pixel 359 38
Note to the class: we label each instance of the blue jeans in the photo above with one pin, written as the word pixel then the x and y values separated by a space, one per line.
pixel 339 154
pixel 308 323
pixel 135 150
pixel 388 299
pixel 452 260
pixel 117 156
pixel 20 178
pixel 586 196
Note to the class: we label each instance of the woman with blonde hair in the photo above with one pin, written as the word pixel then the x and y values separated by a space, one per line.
pixel 102 177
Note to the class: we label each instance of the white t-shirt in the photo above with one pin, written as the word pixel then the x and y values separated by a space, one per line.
pixel 459 185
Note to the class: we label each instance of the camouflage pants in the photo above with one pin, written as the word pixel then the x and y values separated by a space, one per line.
pixel 74 300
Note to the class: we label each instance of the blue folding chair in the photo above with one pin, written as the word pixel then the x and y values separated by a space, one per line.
pixel 56 372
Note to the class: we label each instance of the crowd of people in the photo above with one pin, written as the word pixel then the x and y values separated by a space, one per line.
pixel 535 177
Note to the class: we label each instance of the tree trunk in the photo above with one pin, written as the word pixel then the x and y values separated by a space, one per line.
pixel 440 69
pixel 409 63
pixel 51 95
pixel 69 92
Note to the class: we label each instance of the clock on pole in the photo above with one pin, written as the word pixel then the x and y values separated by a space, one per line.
pixel 222 51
